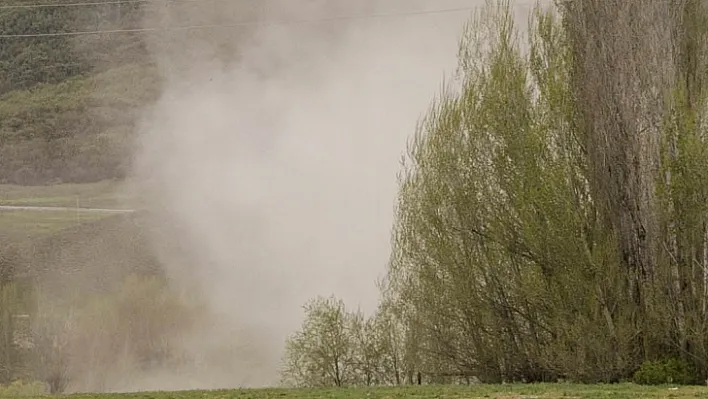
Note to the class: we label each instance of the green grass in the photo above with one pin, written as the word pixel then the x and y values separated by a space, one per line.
pixel 535 391
pixel 24 224
pixel 20 224
pixel 104 194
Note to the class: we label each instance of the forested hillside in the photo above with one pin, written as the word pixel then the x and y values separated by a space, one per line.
pixel 29 61
pixel 69 104
pixel 69 109
pixel 84 302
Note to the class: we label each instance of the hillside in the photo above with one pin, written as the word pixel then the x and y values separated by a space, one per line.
pixel 29 61
pixel 79 130
pixel 69 104
pixel 70 109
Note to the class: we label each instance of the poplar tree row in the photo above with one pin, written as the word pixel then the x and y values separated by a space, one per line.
pixel 552 219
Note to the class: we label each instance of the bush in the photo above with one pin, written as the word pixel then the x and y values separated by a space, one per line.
pixel 671 371
pixel 22 388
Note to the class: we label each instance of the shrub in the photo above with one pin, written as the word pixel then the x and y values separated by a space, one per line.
pixel 23 388
pixel 671 371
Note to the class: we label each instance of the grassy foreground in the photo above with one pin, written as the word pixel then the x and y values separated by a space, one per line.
pixel 535 391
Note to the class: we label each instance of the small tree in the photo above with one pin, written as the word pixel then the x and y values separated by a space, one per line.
pixel 11 361
pixel 395 344
pixel 52 352
pixel 7 347
pixel 321 354
pixel 368 349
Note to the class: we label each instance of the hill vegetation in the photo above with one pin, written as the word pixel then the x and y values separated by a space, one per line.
pixel 83 299
pixel 68 110
pixel 29 61
pixel 69 105
pixel 77 131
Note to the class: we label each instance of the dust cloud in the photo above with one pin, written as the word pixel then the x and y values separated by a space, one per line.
pixel 270 163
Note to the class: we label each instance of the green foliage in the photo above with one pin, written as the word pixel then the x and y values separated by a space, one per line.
pixel 510 257
pixel 491 214
pixel 552 220
pixel 21 388
pixel 336 347
pixel 69 105
pixel 80 130
pixel 672 371
pixel 321 353
pixel 26 62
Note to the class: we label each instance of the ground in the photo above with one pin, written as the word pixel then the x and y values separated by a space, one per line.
pixel 536 391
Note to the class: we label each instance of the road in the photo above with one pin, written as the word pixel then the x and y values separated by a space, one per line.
pixel 61 208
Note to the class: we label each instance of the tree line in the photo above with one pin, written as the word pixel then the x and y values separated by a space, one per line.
pixel 552 217
pixel 89 309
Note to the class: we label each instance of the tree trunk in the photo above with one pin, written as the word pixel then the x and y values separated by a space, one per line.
pixel 621 77
pixel 704 299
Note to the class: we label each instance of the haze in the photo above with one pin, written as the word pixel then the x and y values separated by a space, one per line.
pixel 270 162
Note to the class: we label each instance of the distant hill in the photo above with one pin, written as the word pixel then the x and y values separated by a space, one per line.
pixel 28 61
pixel 68 104
pixel 78 130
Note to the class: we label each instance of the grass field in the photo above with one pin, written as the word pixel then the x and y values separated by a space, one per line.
pixel 22 224
pixel 104 194
pixel 535 391
pixel 17 224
